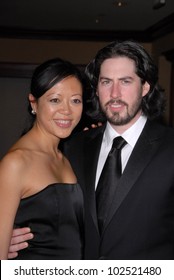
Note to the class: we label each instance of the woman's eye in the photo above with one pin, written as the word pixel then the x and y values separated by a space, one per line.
pixel 54 100
pixel 77 101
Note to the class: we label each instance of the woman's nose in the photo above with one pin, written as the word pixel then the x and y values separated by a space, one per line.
pixel 66 108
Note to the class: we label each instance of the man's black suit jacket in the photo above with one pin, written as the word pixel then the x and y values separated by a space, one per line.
pixel 140 223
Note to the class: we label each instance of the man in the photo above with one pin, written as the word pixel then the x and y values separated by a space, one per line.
pixel 140 217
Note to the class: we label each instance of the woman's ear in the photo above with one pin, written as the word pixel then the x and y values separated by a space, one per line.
pixel 32 101
pixel 146 88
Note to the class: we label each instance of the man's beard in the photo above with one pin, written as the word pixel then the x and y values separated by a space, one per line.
pixel 116 118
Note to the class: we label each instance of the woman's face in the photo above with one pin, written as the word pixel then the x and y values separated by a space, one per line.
pixel 59 110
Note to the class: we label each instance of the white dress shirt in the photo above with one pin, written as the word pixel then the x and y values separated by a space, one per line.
pixel 131 136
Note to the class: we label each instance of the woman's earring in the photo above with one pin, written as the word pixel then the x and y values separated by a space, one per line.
pixel 33 112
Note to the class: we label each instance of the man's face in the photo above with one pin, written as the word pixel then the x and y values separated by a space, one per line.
pixel 120 91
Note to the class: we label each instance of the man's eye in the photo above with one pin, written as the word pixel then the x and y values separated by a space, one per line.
pixel 105 82
pixel 126 81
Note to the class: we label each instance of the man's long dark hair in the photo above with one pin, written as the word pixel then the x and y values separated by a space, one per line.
pixel 153 103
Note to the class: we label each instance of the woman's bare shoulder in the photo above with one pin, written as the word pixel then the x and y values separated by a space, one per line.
pixel 14 160
pixel 18 156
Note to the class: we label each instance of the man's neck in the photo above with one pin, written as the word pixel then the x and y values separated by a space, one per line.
pixel 120 129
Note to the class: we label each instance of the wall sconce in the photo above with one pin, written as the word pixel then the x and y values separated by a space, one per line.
pixel 159 4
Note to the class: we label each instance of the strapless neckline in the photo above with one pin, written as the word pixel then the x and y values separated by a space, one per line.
pixel 52 185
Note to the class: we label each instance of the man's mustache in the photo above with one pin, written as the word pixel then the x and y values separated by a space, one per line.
pixel 116 101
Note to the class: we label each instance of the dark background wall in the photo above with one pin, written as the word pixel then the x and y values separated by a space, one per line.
pixel 13 110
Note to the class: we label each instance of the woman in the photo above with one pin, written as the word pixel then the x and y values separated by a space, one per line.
pixel 38 188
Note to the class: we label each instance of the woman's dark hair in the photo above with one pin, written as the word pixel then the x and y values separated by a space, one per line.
pixel 153 104
pixel 46 75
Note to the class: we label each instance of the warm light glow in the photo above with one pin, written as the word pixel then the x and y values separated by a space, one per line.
pixel 120 4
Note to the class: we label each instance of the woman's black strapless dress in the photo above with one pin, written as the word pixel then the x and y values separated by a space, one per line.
pixel 55 216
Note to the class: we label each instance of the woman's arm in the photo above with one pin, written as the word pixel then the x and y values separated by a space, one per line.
pixel 10 195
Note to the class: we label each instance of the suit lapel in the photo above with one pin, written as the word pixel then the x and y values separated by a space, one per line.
pixel 143 152
pixel 92 150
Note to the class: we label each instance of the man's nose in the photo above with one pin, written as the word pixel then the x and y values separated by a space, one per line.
pixel 115 92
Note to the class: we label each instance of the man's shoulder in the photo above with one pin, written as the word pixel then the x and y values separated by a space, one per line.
pixel 157 130
pixel 86 134
pixel 160 126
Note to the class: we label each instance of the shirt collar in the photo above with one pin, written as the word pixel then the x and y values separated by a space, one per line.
pixel 131 135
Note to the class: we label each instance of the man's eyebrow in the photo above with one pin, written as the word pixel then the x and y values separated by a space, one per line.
pixel 104 78
pixel 125 77
pixel 121 78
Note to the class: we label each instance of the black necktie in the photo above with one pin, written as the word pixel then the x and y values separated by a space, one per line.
pixel 108 180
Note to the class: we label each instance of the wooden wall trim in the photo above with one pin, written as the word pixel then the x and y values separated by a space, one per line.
pixel 17 70
pixel 22 70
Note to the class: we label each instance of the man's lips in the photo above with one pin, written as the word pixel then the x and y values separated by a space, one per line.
pixel 116 105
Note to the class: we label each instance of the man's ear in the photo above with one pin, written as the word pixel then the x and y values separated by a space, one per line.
pixel 146 88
